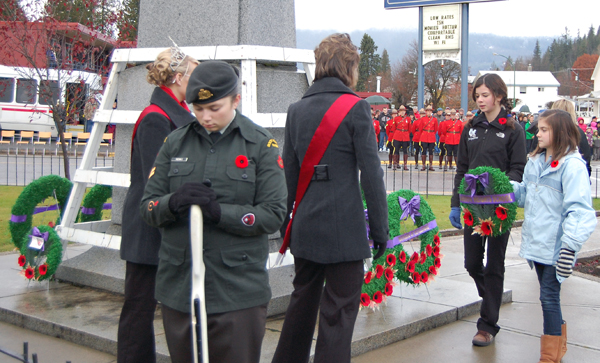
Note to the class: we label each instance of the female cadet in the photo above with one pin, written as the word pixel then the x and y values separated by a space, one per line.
pixel 490 139
pixel 245 202
pixel 139 244
pixel 401 137
pixel 328 233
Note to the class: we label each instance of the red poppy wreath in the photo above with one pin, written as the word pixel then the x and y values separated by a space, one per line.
pixel 405 208
pixel 487 201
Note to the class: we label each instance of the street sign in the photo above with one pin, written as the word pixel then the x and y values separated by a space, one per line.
pixel 397 4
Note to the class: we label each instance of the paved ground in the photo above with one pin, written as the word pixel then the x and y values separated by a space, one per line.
pixel 518 341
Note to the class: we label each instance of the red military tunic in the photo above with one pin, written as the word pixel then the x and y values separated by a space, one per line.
pixel 442 128
pixel 429 126
pixel 453 132
pixel 416 129
pixel 402 128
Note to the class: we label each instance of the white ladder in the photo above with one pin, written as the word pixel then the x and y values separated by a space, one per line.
pixel 93 233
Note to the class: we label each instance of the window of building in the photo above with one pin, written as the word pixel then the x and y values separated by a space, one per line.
pixel 26 90
pixel 49 92
pixel 540 89
pixel 522 90
pixel 7 89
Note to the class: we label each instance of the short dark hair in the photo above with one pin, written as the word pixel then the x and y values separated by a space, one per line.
pixel 336 56
pixel 565 136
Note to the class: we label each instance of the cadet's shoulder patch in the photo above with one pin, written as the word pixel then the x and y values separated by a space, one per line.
pixel 272 143
pixel 280 162
pixel 248 219
pixel 152 172
pixel 152 204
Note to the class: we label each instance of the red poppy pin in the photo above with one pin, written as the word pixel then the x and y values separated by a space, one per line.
pixel 432 270
pixel 377 297
pixel 391 259
pixel 501 213
pixel 389 274
pixel 43 269
pixel 554 163
pixel 368 277
pixel 29 273
pixel 379 269
pixel 22 260
pixel 280 162
pixel 241 161
pixel 416 277
pixel 424 276
pixel 402 256
pixel 429 250
pixel 248 219
pixel 468 217
pixel 502 121
pixel 389 289
pixel 364 299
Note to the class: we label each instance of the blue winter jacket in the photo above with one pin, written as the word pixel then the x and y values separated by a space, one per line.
pixel 558 207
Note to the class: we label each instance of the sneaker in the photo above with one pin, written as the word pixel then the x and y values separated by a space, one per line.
pixel 483 338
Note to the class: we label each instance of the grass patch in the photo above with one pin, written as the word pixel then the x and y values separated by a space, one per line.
pixel 8 197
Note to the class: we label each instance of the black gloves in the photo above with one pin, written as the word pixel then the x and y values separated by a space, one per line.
pixel 199 194
pixel 381 246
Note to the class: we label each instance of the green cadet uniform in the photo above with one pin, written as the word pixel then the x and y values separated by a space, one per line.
pixel 246 172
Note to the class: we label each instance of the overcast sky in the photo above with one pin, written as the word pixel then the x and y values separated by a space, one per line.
pixel 509 17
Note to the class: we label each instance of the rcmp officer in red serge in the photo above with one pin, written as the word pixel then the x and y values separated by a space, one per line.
pixel 328 236
pixel 232 169
pixel 401 137
pixel 429 126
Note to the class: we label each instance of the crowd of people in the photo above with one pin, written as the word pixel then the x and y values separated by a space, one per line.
pixel 215 157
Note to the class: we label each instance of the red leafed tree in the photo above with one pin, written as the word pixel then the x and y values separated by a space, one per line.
pixel 63 45
pixel 583 67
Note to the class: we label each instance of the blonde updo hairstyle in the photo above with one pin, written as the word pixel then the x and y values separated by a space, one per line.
pixel 160 72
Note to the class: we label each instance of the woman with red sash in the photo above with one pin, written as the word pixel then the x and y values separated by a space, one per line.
pixel 327 234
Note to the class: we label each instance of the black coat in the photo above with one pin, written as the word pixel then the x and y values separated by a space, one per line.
pixel 493 144
pixel 140 242
pixel 329 225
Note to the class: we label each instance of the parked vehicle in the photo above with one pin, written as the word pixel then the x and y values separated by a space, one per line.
pixel 26 100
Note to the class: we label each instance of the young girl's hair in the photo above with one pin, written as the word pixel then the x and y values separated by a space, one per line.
pixel 162 71
pixel 565 136
pixel 498 88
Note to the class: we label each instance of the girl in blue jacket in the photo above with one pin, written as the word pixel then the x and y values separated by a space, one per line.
pixel 559 218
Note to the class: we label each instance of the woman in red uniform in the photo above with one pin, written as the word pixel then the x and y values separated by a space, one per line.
pixel 416 129
pixel 442 133
pixel 401 137
pixel 453 131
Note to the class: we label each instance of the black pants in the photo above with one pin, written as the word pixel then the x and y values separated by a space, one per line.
pixel 489 279
pixel 135 342
pixel 339 302
pixel 233 337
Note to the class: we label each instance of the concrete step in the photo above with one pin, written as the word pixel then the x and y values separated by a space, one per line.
pixel 89 317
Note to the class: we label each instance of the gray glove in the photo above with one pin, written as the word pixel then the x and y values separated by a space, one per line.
pixel 566 260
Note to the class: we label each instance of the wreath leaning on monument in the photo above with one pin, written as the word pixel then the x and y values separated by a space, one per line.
pixel 93 203
pixel 487 201
pixel 41 253
pixel 33 194
pixel 396 265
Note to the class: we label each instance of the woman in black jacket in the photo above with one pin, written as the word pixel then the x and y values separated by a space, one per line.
pixel 490 139
pixel 139 242
pixel 328 232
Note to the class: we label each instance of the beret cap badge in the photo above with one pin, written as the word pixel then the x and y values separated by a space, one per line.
pixel 204 94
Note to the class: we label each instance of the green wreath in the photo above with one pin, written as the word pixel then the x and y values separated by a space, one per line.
pixel 41 265
pixel 487 201
pixel 33 194
pixel 396 265
pixel 93 203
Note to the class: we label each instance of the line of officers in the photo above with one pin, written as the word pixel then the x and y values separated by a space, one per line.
pixel 420 132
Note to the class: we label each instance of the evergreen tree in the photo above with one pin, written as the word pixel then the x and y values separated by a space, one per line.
pixel 509 64
pixel 592 41
pixel 536 62
pixel 128 20
pixel 369 65
pixel 386 71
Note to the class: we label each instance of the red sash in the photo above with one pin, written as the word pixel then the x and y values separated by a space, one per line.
pixel 151 108
pixel 316 149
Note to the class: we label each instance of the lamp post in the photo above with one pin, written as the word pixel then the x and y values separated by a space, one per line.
pixel 514 78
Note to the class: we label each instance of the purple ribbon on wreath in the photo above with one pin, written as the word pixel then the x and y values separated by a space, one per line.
pixel 36 233
pixel 471 181
pixel 410 208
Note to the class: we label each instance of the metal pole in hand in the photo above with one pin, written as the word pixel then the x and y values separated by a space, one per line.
pixel 199 332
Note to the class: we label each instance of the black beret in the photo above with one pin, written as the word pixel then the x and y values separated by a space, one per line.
pixel 211 81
